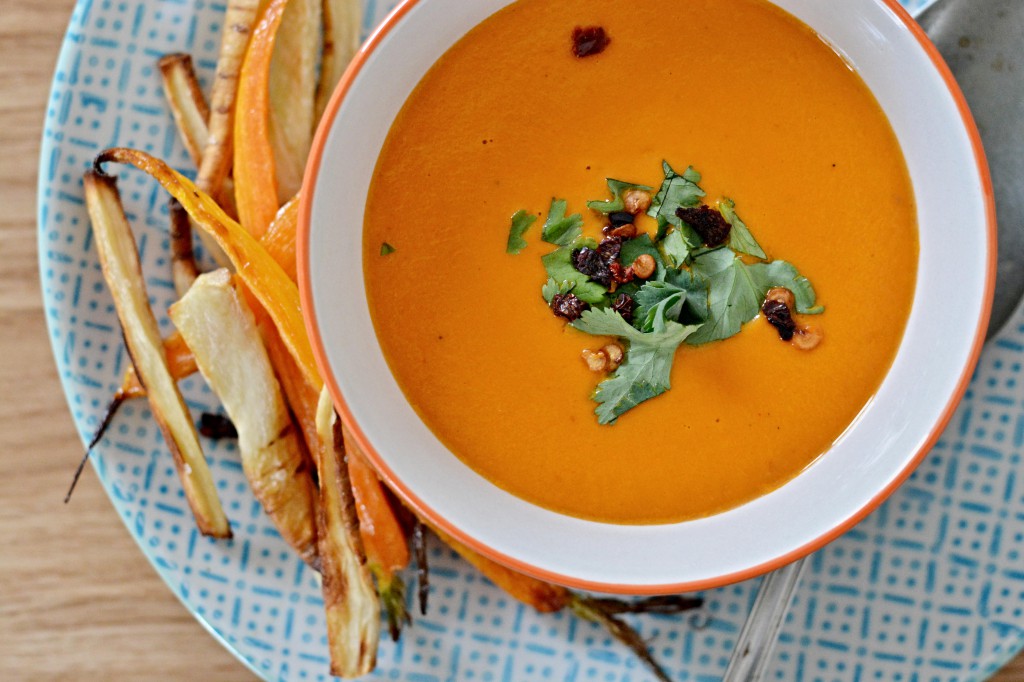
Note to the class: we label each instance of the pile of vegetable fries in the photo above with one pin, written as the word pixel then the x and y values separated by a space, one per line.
pixel 241 327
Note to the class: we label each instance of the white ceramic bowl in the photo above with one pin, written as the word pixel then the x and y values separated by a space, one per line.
pixel 888 439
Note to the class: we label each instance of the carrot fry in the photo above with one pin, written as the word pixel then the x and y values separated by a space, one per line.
pixel 350 600
pixel 185 98
pixel 343 21
pixel 120 261
pixel 268 282
pixel 387 550
pixel 293 81
pixel 542 596
pixel 254 164
pixel 279 239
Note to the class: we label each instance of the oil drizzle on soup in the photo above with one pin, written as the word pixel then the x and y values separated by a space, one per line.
pixel 771 116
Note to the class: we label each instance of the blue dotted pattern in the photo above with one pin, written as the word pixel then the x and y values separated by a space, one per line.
pixel 929 588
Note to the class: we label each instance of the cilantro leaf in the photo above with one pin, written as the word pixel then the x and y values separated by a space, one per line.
pixel 552 288
pixel 740 238
pixel 675 249
pixel 647 368
pixel 782 274
pixel 677 191
pixel 559 229
pixel 736 291
pixel 684 298
pixel 560 268
pixel 618 188
pixel 521 222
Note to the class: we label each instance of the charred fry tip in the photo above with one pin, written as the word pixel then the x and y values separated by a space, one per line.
pixel 594 611
pixel 172 58
pixel 109 154
pixel 112 409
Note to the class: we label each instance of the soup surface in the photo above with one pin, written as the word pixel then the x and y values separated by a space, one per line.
pixel 509 118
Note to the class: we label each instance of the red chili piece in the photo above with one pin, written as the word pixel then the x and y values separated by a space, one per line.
pixel 780 317
pixel 624 305
pixel 707 222
pixel 568 306
pixel 589 40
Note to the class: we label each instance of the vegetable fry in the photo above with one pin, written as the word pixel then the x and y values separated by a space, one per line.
pixel 239 21
pixel 185 98
pixel 343 23
pixel 268 282
pixel 293 81
pixel 279 239
pixel 254 163
pixel 387 550
pixel 183 259
pixel 353 610
pixel 542 596
pixel 120 261
pixel 221 331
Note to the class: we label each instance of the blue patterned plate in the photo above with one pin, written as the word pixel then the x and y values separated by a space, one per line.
pixel 930 587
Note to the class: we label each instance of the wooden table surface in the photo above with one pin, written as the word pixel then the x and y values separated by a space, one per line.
pixel 77 598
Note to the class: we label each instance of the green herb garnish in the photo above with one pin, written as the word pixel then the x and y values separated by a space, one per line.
pixel 521 222
pixel 559 229
pixel 740 238
pixel 696 294
pixel 559 265
pixel 677 191
pixel 386 249
pixel 616 203
pixel 646 371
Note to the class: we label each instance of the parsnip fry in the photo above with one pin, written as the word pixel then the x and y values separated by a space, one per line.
pixel 353 610
pixel 268 282
pixel 185 98
pixel 183 259
pixel 180 362
pixel 343 23
pixel 120 261
pixel 293 80
pixel 239 20
pixel 219 328
pixel 254 164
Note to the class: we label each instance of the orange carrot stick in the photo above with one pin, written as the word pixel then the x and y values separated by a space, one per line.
pixel 255 176
pixel 279 239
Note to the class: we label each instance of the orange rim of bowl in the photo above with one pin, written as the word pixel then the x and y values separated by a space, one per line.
pixel 396 484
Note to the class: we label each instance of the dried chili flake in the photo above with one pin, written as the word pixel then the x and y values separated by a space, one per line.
pixel 625 305
pixel 621 274
pixel 589 40
pixel 591 263
pixel 610 248
pixel 779 316
pixel 568 306
pixel 706 222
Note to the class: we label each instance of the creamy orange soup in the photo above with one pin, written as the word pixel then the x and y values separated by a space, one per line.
pixel 509 118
